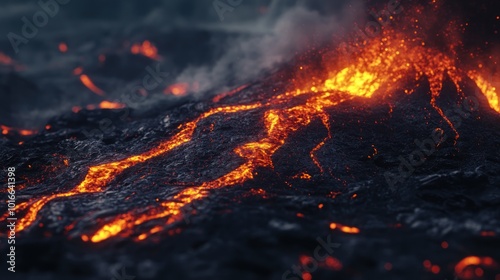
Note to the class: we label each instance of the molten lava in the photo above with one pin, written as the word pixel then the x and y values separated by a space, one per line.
pixel 146 49
pixel 106 105
pixel 6 60
pixel 220 96
pixel 90 84
pixel 469 267
pixel 345 229
pixel 381 67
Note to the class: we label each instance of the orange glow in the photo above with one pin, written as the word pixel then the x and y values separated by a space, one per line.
pixel 333 263
pixel 489 91
pixel 63 47
pixel 427 264
pixel 90 85
pixel 177 89
pixel 345 229
pixel 111 105
pixel 23 132
pixel 145 48
pixel 106 105
pixel 6 60
pixel 435 269
pixel 461 268
pixel 220 96
pixel 77 71
pixel 303 176
pixel 76 109
pixel 383 66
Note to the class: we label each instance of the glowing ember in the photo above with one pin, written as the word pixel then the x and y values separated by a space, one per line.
pixel 90 85
pixel 177 89
pixel 145 48
pixel 23 132
pixel 330 263
pixel 220 96
pixel 489 91
pixel 77 71
pixel 63 47
pixel 467 267
pixel 111 105
pixel 345 229
pixel 381 67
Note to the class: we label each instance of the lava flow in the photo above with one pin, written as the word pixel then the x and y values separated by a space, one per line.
pixel 23 132
pixel 382 66
pixel 146 49
pixel 6 60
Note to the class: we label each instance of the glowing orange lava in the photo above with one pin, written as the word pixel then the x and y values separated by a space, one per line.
pixel 5 59
pixel 220 96
pixel 145 48
pixel 90 85
pixel 23 132
pixel 462 267
pixel 177 89
pixel 77 71
pixel 381 67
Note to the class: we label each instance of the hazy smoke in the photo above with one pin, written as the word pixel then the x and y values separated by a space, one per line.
pixel 267 42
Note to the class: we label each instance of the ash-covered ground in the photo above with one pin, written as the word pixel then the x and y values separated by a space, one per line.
pixel 415 220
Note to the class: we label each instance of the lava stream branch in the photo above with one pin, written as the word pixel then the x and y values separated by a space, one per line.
pixel 101 175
